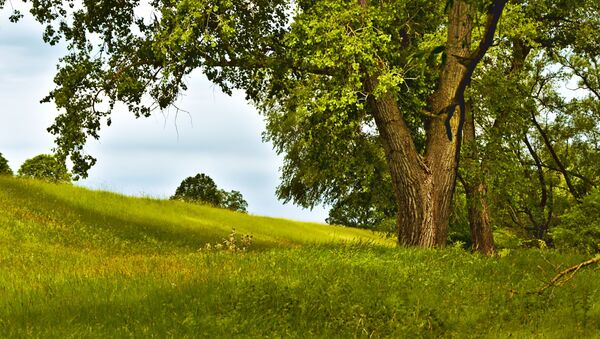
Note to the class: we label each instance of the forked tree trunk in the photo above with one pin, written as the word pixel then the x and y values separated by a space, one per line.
pixel 424 184
pixel 411 175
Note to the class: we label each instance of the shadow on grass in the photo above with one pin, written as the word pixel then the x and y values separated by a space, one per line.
pixel 229 307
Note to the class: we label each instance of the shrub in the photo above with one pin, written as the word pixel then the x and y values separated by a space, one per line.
pixel 505 238
pixel 232 243
pixel 579 227
pixel 4 168
pixel 45 167
pixel 363 210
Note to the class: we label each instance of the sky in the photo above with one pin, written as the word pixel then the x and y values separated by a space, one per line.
pixel 219 136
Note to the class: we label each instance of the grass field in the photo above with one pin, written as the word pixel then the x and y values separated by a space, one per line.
pixel 76 263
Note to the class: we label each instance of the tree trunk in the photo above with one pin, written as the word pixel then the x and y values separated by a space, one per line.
pixel 474 180
pixel 411 177
pixel 476 191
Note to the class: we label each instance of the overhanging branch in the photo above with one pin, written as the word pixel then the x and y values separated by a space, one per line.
pixel 493 16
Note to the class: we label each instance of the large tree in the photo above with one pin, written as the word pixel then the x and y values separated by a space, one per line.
pixel 357 62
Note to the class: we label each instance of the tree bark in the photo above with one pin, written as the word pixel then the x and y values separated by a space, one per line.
pixel 411 177
pixel 444 135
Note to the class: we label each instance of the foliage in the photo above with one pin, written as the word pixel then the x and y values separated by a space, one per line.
pixel 4 167
pixel 359 210
pixel 506 238
pixel 579 227
pixel 536 141
pixel 45 167
pixel 202 189
pixel 234 201
pixel 118 266
pixel 322 123
pixel 459 230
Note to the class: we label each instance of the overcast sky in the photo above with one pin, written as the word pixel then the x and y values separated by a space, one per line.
pixel 221 136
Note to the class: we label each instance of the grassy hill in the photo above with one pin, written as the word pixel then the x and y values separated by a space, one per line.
pixel 80 263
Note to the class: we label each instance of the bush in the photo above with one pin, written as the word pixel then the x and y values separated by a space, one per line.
pixel 579 227
pixel 4 168
pixel 202 189
pixel 45 167
pixel 505 238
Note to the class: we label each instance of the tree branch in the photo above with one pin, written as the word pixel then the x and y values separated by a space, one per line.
pixel 540 172
pixel 556 159
pixel 581 74
pixel 568 274
pixel 571 173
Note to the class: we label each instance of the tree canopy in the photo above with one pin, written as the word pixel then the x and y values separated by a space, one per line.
pixel 45 167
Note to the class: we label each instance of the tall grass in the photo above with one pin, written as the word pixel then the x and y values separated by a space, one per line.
pixel 79 263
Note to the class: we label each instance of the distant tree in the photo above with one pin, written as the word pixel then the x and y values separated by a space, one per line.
pixel 234 201
pixel 202 189
pixel 4 168
pixel 199 188
pixel 45 167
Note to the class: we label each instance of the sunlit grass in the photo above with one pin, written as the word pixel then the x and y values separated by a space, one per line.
pixel 79 263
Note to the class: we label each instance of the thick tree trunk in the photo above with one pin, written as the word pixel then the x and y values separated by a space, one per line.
pixel 444 133
pixel 411 177
pixel 423 185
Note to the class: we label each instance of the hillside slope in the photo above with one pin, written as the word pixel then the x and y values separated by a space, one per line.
pixel 74 216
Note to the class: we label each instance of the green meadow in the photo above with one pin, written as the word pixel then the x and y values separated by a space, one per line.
pixel 76 263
